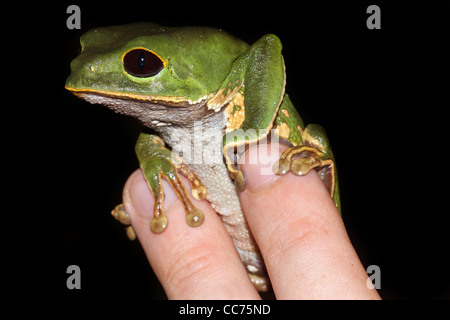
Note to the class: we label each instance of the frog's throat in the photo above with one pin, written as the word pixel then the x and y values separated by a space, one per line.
pixel 153 113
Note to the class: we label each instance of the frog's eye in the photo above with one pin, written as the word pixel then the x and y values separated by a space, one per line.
pixel 142 63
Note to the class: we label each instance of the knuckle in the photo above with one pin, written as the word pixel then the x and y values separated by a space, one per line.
pixel 291 234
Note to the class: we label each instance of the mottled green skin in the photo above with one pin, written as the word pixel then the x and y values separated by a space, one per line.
pixel 191 54
pixel 202 65
pixel 152 156
pixel 294 119
pixel 261 68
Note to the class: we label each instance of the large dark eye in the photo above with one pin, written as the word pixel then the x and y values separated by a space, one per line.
pixel 142 63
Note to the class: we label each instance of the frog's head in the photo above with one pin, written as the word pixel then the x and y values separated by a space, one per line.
pixel 147 63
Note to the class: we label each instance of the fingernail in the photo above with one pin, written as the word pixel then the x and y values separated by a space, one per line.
pixel 138 198
pixel 257 164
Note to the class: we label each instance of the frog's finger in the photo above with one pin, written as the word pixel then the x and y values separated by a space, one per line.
pixel 198 189
pixel 121 215
pixel 194 216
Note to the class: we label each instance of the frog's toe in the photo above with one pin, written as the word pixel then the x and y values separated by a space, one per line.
pixel 159 224
pixel 195 218
pixel 309 158
pixel 130 233
pixel 121 215
pixel 302 166
pixel 281 167
pixel 240 181
pixel 262 284
pixel 198 190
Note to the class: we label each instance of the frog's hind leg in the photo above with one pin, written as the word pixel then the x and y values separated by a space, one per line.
pixel 314 153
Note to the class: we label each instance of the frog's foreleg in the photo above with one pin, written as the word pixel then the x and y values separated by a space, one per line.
pixel 157 162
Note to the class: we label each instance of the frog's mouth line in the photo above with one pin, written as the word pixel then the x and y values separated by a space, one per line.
pixel 161 100
pixel 152 112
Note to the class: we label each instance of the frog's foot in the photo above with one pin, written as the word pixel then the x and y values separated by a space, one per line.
pixel 158 162
pixel 262 284
pixel 194 217
pixel 308 158
pixel 121 215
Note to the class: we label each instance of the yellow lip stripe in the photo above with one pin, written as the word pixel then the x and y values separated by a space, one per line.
pixel 126 95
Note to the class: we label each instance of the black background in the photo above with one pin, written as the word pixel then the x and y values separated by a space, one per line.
pixel 382 95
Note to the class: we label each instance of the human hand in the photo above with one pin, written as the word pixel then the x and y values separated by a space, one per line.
pixel 298 229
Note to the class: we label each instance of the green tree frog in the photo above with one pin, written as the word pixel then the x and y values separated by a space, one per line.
pixel 175 80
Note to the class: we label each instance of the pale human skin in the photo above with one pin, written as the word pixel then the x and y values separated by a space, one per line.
pixel 299 231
